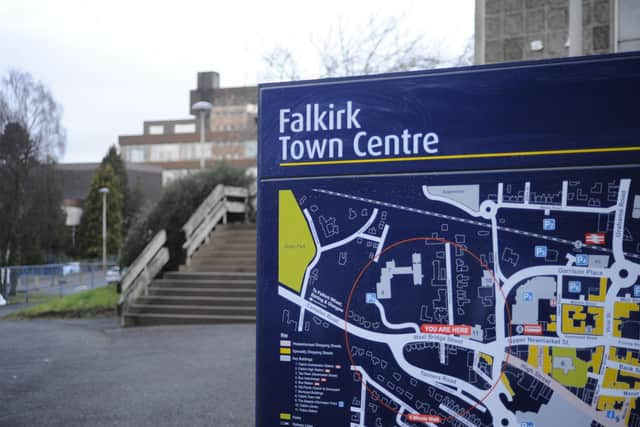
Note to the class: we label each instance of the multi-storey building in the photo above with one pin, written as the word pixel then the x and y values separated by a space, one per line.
pixel 511 30
pixel 174 145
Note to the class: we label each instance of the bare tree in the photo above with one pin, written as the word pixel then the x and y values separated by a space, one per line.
pixel 281 65
pixel 380 45
pixel 466 57
pixel 31 138
pixel 377 47
pixel 29 103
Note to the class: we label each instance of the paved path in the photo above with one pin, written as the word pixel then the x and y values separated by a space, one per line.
pixel 10 308
pixel 92 373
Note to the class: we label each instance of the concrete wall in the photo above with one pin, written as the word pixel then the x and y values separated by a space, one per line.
pixel 512 30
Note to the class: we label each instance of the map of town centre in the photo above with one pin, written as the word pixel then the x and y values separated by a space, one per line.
pixel 505 298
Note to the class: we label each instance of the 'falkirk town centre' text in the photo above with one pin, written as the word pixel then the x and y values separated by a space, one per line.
pixel 326 118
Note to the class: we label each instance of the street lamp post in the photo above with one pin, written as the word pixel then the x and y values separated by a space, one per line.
pixel 202 107
pixel 104 191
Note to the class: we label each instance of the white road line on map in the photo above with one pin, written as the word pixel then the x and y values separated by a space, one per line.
pixel 458 219
pixel 455 415
pixel 447 252
pixel 390 325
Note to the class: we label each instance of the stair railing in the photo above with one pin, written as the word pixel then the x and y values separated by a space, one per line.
pixel 213 210
pixel 142 271
pixel 222 201
pixel 252 199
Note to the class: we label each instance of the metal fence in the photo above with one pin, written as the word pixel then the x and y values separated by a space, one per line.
pixel 23 283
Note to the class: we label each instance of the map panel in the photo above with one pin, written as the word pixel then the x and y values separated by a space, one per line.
pixel 424 305
pixel 451 248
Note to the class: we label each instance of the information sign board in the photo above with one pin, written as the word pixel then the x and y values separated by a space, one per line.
pixel 452 247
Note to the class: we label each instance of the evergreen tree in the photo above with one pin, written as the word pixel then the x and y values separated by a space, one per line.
pixel 130 201
pixel 31 216
pixel 90 230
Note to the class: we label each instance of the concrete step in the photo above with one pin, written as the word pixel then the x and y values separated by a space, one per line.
pixel 150 319
pixel 219 286
pixel 228 247
pixel 218 241
pixel 210 275
pixel 234 234
pixel 203 292
pixel 246 248
pixel 222 264
pixel 210 310
pixel 250 260
pixel 236 226
pixel 212 268
pixel 220 229
pixel 199 283
pixel 227 264
pixel 222 253
pixel 223 260
pixel 247 301
pixel 229 243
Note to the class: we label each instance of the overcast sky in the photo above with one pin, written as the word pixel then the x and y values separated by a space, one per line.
pixel 112 64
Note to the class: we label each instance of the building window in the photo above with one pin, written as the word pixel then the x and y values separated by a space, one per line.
pixel 628 25
pixel 185 128
pixel 156 130
pixel 136 155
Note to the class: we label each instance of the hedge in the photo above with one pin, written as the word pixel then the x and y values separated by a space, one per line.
pixel 178 201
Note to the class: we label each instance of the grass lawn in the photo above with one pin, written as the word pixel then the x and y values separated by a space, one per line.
pixel 34 298
pixel 95 302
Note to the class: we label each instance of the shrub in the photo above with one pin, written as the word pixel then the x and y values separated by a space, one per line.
pixel 177 203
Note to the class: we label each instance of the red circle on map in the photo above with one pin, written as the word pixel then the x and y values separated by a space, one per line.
pixel 357 282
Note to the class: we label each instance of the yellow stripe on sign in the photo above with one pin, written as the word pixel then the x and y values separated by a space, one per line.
pixel 285 350
pixel 467 156
pixel 285 416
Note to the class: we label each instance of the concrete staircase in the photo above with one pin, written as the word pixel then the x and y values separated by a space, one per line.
pixel 219 285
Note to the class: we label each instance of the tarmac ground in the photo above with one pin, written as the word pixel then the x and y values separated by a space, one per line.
pixel 91 372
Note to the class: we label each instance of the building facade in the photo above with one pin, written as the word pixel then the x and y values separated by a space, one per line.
pixel 75 179
pixel 174 145
pixel 512 30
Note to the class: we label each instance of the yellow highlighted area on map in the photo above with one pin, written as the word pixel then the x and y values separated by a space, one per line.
pixel 602 293
pixel 295 243
pixel 609 403
pixel 487 358
pixel 629 380
pixel 507 384
pixel 532 357
pixel 546 359
pixel 582 320
pixel 552 326
pixel 567 368
pixel 621 312
pixel 596 358
pixel 629 356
